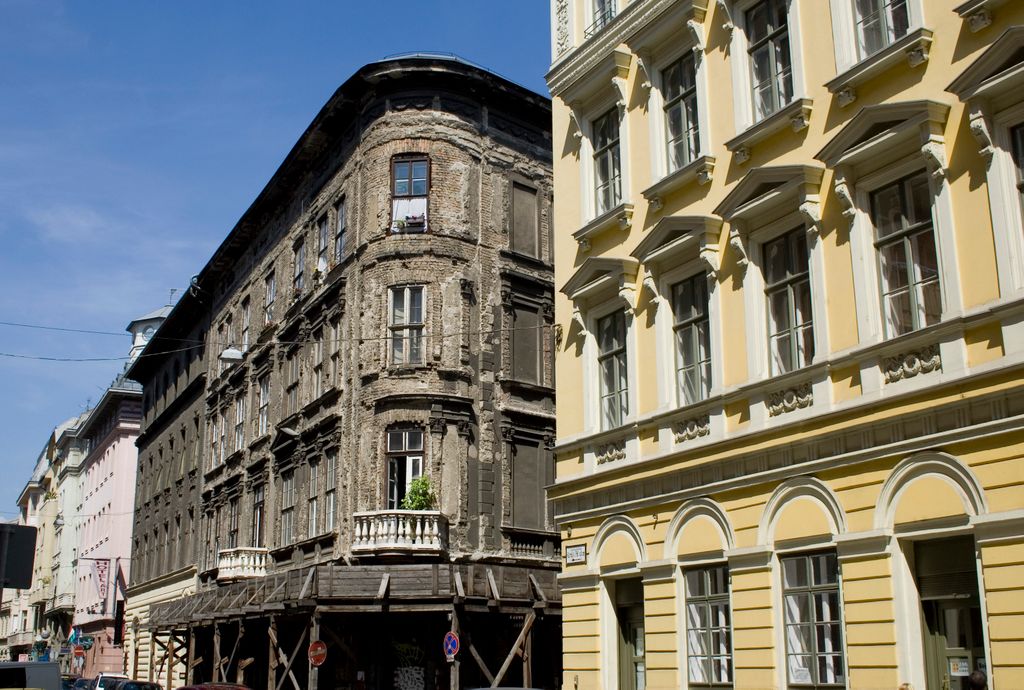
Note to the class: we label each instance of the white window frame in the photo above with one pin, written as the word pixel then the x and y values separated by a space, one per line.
pixel 340 230
pixel 407 326
pixel 330 489
pixel 866 279
pixel 263 405
pixel 269 297
pixel 413 461
pixel 669 393
pixel 287 507
pixel 1006 203
pixel 756 306
pixel 313 500
pixel 323 243
pixel 656 104
pixel 246 320
pixel 592 373
pixel 240 422
pixel 299 267
pixel 844 31
pixel 588 175
pixel 684 597
pixel 743 98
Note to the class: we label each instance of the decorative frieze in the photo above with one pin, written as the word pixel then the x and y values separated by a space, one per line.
pixel 693 428
pixel 907 365
pixel 561 26
pixel 790 399
pixel 610 452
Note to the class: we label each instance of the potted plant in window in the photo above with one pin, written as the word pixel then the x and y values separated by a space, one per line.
pixel 419 496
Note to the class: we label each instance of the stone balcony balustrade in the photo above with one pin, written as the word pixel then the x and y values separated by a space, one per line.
pixel 241 563
pixel 415 532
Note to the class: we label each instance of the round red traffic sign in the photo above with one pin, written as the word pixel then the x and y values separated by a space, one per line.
pixel 78 650
pixel 317 652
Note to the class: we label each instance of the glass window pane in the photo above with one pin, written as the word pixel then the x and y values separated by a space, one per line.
pixel 398 306
pixel 826 606
pixel 798 609
pixel 697 669
pixel 887 211
pixel 696 616
pixel 414 440
pixel 695 583
pixel 893 258
pixel 795 572
pixel 898 314
pixel 825 569
pixel 799 667
pixel 778 311
pixel 415 305
pixel 920 199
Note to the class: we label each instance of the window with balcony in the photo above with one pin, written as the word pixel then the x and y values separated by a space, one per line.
pixel 405 323
pixel 330 489
pixel 258 517
pixel 692 330
pixel 410 186
pixel 313 501
pixel 269 295
pixel 682 127
pixel 766 25
pixel 340 228
pixel 233 523
pixel 708 627
pixel 611 360
pixel 813 624
pixel 788 299
pixel 287 507
pixel 901 214
pixel 607 162
pixel 405 462
pixel 601 13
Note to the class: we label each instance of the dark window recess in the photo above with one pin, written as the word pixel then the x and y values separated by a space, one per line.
pixel 529 475
pixel 525 238
pixel 526 344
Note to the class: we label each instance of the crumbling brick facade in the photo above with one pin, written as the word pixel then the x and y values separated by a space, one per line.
pixel 383 311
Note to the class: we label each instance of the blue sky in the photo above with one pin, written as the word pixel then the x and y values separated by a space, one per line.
pixel 133 134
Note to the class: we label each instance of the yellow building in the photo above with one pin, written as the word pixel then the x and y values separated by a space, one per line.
pixel 790 250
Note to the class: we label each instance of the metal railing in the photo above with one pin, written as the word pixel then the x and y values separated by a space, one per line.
pixel 401 531
pixel 601 19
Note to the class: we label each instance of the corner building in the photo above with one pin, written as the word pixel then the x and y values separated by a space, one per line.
pixel 380 316
pixel 790 321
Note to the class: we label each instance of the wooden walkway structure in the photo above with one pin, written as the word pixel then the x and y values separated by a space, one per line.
pixel 212 627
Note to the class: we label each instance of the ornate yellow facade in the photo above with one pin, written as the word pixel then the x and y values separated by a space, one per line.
pixel 790 255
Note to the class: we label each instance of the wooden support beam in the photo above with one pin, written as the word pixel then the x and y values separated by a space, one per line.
pixel 313 682
pixel 240 669
pixel 288 661
pixel 460 589
pixel 271 656
pixel 385 583
pixel 528 659
pixel 492 586
pixel 170 663
pixel 480 662
pixel 307 585
pixel 234 650
pixel 527 625
pixel 453 675
pixel 217 678
pixel 538 592
pixel 261 588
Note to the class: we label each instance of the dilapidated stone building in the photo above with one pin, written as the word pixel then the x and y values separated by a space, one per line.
pixel 380 335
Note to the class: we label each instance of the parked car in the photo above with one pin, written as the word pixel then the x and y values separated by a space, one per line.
pixel 44 675
pixel 67 681
pixel 127 684
pixel 103 680
pixel 84 683
pixel 214 686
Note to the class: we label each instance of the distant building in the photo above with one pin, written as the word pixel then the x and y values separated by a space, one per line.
pixel 379 317
pixel 791 298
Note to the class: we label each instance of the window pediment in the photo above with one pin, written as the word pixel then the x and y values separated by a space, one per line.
pixel 880 133
pixel 680 16
pixel 996 73
pixel 599 278
pixel 674 236
pixel 605 76
pixel 766 193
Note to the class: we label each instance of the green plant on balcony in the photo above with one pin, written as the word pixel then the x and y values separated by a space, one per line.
pixel 419 496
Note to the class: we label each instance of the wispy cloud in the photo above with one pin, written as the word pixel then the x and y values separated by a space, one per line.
pixel 71 224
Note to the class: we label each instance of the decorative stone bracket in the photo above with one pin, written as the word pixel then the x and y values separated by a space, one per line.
pixel 690 429
pixel 790 399
pixel 907 365
pixel 610 452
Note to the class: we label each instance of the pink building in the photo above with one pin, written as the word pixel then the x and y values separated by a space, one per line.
pixel 102 562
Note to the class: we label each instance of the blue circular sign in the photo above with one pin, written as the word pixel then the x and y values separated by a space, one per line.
pixel 451 645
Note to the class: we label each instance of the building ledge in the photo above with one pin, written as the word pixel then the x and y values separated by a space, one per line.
pixel 700 169
pixel 913 48
pixel 620 217
pixel 796 115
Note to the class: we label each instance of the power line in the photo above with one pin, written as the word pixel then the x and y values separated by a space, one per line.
pixel 325 341
pixel 59 328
